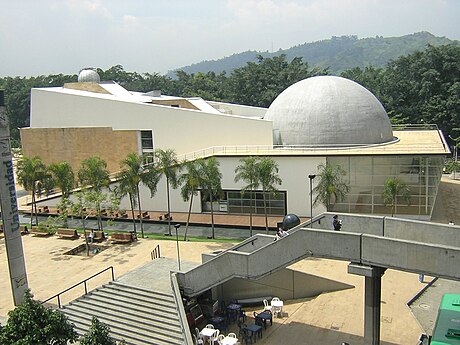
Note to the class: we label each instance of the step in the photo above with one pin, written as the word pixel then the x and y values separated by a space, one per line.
pixel 139 295
pixel 119 329
pixel 159 294
pixel 112 303
pixel 135 299
pixel 121 313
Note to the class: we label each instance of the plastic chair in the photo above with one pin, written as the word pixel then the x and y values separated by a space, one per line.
pixel 214 337
pixel 231 335
pixel 275 299
pixel 197 341
pixel 198 334
pixel 242 315
pixel 210 326
pixel 220 338
pixel 267 306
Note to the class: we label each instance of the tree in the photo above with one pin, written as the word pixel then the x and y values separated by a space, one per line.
pixel 33 323
pixel 30 171
pixel 98 334
pixel 210 182
pixel 63 177
pixel 248 173
pixel 93 172
pixel 331 187
pixel 130 177
pixel 191 181
pixel 392 189
pixel 167 164
pixel 267 171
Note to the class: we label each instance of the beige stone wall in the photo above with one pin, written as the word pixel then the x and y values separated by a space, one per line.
pixel 76 144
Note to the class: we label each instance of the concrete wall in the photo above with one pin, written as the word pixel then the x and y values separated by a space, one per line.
pixel 181 129
pixel 431 233
pixel 73 145
pixel 285 284
pixel 354 223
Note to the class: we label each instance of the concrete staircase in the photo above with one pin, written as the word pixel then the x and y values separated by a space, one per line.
pixel 137 315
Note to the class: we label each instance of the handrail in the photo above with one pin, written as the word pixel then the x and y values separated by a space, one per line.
pixel 155 254
pixel 77 284
pixel 180 309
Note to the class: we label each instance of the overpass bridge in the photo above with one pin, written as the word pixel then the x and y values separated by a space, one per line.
pixel 371 244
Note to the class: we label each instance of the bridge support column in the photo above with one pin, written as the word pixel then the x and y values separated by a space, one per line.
pixel 372 297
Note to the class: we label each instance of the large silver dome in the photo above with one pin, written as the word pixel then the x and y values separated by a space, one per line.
pixel 88 75
pixel 328 111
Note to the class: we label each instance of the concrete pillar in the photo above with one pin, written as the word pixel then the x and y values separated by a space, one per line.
pixel 372 296
pixel 10 216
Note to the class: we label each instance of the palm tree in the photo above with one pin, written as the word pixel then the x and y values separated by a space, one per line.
pixel 247 172
pixel 393 188
pixel 130 177
pixel 29 172
pixel 124 188
pixel 267 171
pixel 93 172
pixel 210 182
pixel 191 183
pixel 63 177
pixel 167 164
pixel 331 186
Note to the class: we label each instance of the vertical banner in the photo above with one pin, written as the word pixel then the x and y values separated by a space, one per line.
pixel 10 215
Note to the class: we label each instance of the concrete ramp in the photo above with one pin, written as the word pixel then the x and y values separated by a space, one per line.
pixel 375 241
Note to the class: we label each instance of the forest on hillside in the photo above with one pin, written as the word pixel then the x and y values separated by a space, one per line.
pixel 422 87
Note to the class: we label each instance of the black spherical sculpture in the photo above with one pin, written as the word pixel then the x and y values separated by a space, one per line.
pixel 290 221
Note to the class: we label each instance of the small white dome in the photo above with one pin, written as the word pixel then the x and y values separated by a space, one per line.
pixel 328 111
pixel 88 75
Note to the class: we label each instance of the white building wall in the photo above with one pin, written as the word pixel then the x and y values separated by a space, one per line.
pixel 293 172
pixel 181 129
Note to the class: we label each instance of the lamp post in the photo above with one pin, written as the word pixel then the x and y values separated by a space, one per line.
pixel 177 226
pixel 311 177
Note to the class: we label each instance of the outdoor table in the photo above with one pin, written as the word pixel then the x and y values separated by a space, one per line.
pixel 217 321
pixel 229 341
pixel 207 333
pixel 233 310
pixel 264 317
pixel 255 329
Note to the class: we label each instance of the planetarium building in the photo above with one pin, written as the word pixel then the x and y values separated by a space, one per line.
pixel 319 120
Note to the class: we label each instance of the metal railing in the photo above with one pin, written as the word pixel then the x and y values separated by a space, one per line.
pixel 180 309
pixel 58 296
pixel 155 254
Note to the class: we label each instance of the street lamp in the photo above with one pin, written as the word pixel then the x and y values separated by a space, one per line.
pixel 177 226
pixel 311 177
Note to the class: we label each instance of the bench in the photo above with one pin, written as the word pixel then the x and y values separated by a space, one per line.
pixel 121 238
pixel 98 236
pixel 36 232
pixel 145 215
pixel 67 233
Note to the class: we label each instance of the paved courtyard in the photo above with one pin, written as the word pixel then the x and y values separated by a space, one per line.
pixel 326 319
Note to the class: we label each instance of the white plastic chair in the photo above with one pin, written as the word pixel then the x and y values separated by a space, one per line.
pixel 210 326
pixel 220 339
pixel 214 337
pixel 231 335
pixel 267 306
pixel 198 341
pixel 275 299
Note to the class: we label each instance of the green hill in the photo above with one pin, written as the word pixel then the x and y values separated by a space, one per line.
pixel 337 53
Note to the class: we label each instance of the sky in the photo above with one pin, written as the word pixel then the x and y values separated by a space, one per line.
pixel 42 37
